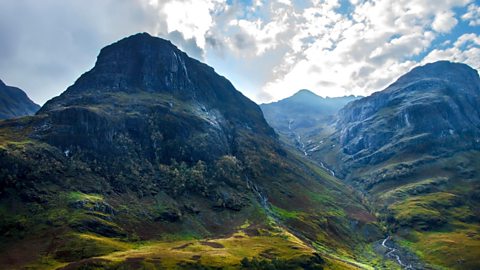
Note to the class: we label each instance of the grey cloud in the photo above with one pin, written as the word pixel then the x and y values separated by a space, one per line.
pixel 215 44
pixel 188 45
pixel 380 84
pixel 45 45
pixel 325 83
pixel 243 41
pixel 362 73
pixel 263 96
pixel 315 69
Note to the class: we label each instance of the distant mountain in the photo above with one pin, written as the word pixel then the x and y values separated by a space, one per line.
pixel 15 103
pixel 413 149
pixel 153 160
pixel 302 115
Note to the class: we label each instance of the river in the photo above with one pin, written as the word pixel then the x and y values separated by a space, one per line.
pixel 392 253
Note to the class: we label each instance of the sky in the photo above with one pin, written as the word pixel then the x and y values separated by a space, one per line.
pixel 267 49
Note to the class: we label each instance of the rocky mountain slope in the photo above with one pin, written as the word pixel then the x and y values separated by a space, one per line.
pixel 435 106
pixel 152 160
pixel 412 149
pixel 303 115
pixel 14 102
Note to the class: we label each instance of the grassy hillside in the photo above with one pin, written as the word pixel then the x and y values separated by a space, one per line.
pixel 74 214
pixel 429 203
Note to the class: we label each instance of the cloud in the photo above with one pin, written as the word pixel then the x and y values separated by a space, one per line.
pixel 188 45
pixel 46 45
pixel 268 49
pixel 466 49
pixel 472 15
pixel 444 22
pixel 193 18
pixel 362 50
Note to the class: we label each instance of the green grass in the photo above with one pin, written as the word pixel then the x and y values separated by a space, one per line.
pixel 285 214
pixel 285 180
pixel 424 212
pixel 457 249
pixel 79 196
pixel 421 186
pixel 220 252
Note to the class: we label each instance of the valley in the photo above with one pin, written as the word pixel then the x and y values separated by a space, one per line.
pixel 152 160
pixel 411 151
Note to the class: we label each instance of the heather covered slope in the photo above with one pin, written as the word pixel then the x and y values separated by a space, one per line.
pixel 156 161
pixel 412 149
pixel 15 103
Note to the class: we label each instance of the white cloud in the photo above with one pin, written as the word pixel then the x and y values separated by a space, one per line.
pixel 363 51
pixel 472 15
pixel 444 22
pixel 268 49
pixel 192 18
pixel 465 50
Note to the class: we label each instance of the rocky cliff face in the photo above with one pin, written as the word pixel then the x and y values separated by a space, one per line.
pixel 141 63
pixel 15 103
pixel 433 107
pixel 144 90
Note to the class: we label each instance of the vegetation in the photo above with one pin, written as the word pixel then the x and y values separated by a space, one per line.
pixel 184 173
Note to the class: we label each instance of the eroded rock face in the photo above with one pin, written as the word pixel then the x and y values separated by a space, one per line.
pixel 436 104
pixel 142 63
pixel 145 96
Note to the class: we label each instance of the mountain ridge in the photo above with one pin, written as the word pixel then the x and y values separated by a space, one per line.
pixel 409 95
pixel 14 102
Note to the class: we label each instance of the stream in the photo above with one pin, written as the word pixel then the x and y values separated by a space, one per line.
pixel 327 169
pixel 298 139
pixel 392 253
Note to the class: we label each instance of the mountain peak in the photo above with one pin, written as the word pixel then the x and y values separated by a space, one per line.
pixel 439 100
pixel 147 65
pixel 141 62
pixel 305 92
pixel 456 73
pixel 139 40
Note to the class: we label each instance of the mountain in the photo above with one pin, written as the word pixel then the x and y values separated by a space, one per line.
pixel 15 103
pixel 152 160
pixel 435 106
pixel 303 115
pixel 413 150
